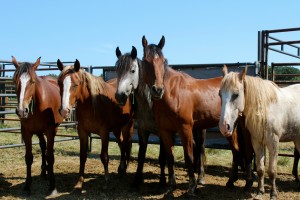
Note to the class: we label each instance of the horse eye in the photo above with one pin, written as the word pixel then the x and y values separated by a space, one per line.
pixel 235 95
pixel 220 93
pixel 132 71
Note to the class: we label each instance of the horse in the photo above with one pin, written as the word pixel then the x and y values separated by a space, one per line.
pixel 128 68
pixel 271 116
pixel 180 103
pixel 97 112
pixel 129 76
pixel 38 110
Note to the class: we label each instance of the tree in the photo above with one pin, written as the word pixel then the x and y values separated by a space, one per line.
pixel 286 70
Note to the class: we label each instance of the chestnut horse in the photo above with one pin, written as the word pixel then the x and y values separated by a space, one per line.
pixel 181 102
pixel 97 112
pixel 38 110
pixel 271 115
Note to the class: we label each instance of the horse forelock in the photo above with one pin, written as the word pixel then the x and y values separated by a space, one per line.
pixel 230 82
pixel 24 68
pixel 153 51
pixel 123 64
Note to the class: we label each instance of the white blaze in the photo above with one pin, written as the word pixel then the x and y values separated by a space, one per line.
pixel 66 93
pixel 24 79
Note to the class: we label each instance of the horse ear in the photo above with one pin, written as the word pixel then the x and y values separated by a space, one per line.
pixel 37 63
pixel 144 42
pixel 60 65
pixel 118 52
pixel 242 75
pixel 225 70
pixel 15 62
pixel 133 53
pixel 77 65
pixel 161 43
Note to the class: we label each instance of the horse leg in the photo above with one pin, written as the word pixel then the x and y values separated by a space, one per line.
pixel 43 150
pixel 120 140
pixel 260 166
pixel 273 147
pixel 168 142
pixel 83 139
pixel 104 156
pixel 248 158
pixel 162 164
pixel 27 138
pixel 199 154
pixel 50 160
pixel 126 145
pixel 187 143
pixel 295 165
pixel 143 142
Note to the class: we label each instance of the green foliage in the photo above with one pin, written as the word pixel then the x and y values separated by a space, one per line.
pixel 286 70
pixel 53 75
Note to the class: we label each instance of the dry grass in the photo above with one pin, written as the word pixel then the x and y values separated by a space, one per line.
pixel 12 165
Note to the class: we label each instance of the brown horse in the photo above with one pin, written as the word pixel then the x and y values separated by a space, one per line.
pixel 38 110
pixel 181 102
pixel 97 112
pixel 295 165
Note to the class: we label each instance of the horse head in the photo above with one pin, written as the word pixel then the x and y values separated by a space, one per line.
pixel 233 99
pixel 69 83
pixel 25 79
pixel 154 64
pixel 127 68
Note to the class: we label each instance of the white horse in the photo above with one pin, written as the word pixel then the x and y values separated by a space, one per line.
pixel 272 115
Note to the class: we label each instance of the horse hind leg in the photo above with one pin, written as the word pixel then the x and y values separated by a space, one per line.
pixel 295 165
pixel 199 154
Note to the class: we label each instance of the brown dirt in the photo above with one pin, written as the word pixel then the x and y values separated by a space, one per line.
pixel 67 164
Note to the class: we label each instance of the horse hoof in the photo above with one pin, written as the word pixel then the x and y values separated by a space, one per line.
pixel 27 191
pixel 52 193
pixel 258 197
pixel 169 195
pixel 201 181
pixel 121 170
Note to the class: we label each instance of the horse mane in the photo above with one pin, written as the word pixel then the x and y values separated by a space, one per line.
pixel 153 50
pixel 124 63
pixel 24 68
pixel 95 85
pixel 259 94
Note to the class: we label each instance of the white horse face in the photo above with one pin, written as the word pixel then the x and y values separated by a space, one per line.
pixel 233 103
pixel 128 76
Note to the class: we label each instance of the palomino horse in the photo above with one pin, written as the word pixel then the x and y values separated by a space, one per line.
pixel 38 110
pixel 181 102
pixel 97 112
pixel 271 116
pixel 130 81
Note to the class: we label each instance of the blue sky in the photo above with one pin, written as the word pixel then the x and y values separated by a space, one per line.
pixel 196 31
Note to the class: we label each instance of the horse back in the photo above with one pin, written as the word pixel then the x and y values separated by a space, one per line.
pixel 198 98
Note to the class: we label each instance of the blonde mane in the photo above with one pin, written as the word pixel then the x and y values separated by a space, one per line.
pixel 259 94
pixel 95 85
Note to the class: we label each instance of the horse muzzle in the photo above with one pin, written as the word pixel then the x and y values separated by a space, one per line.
pixel 65 113
pixel 225 129
pixel 121 98
pixel 22 113
pixel 157 92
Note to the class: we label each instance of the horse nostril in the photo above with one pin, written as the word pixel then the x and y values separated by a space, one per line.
pixel 26 110
pixel 158 90
pixel 228 127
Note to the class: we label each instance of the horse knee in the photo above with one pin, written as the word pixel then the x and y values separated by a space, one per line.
pixel 29 159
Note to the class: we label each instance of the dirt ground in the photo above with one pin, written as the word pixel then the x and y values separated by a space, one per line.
pixel 12 180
